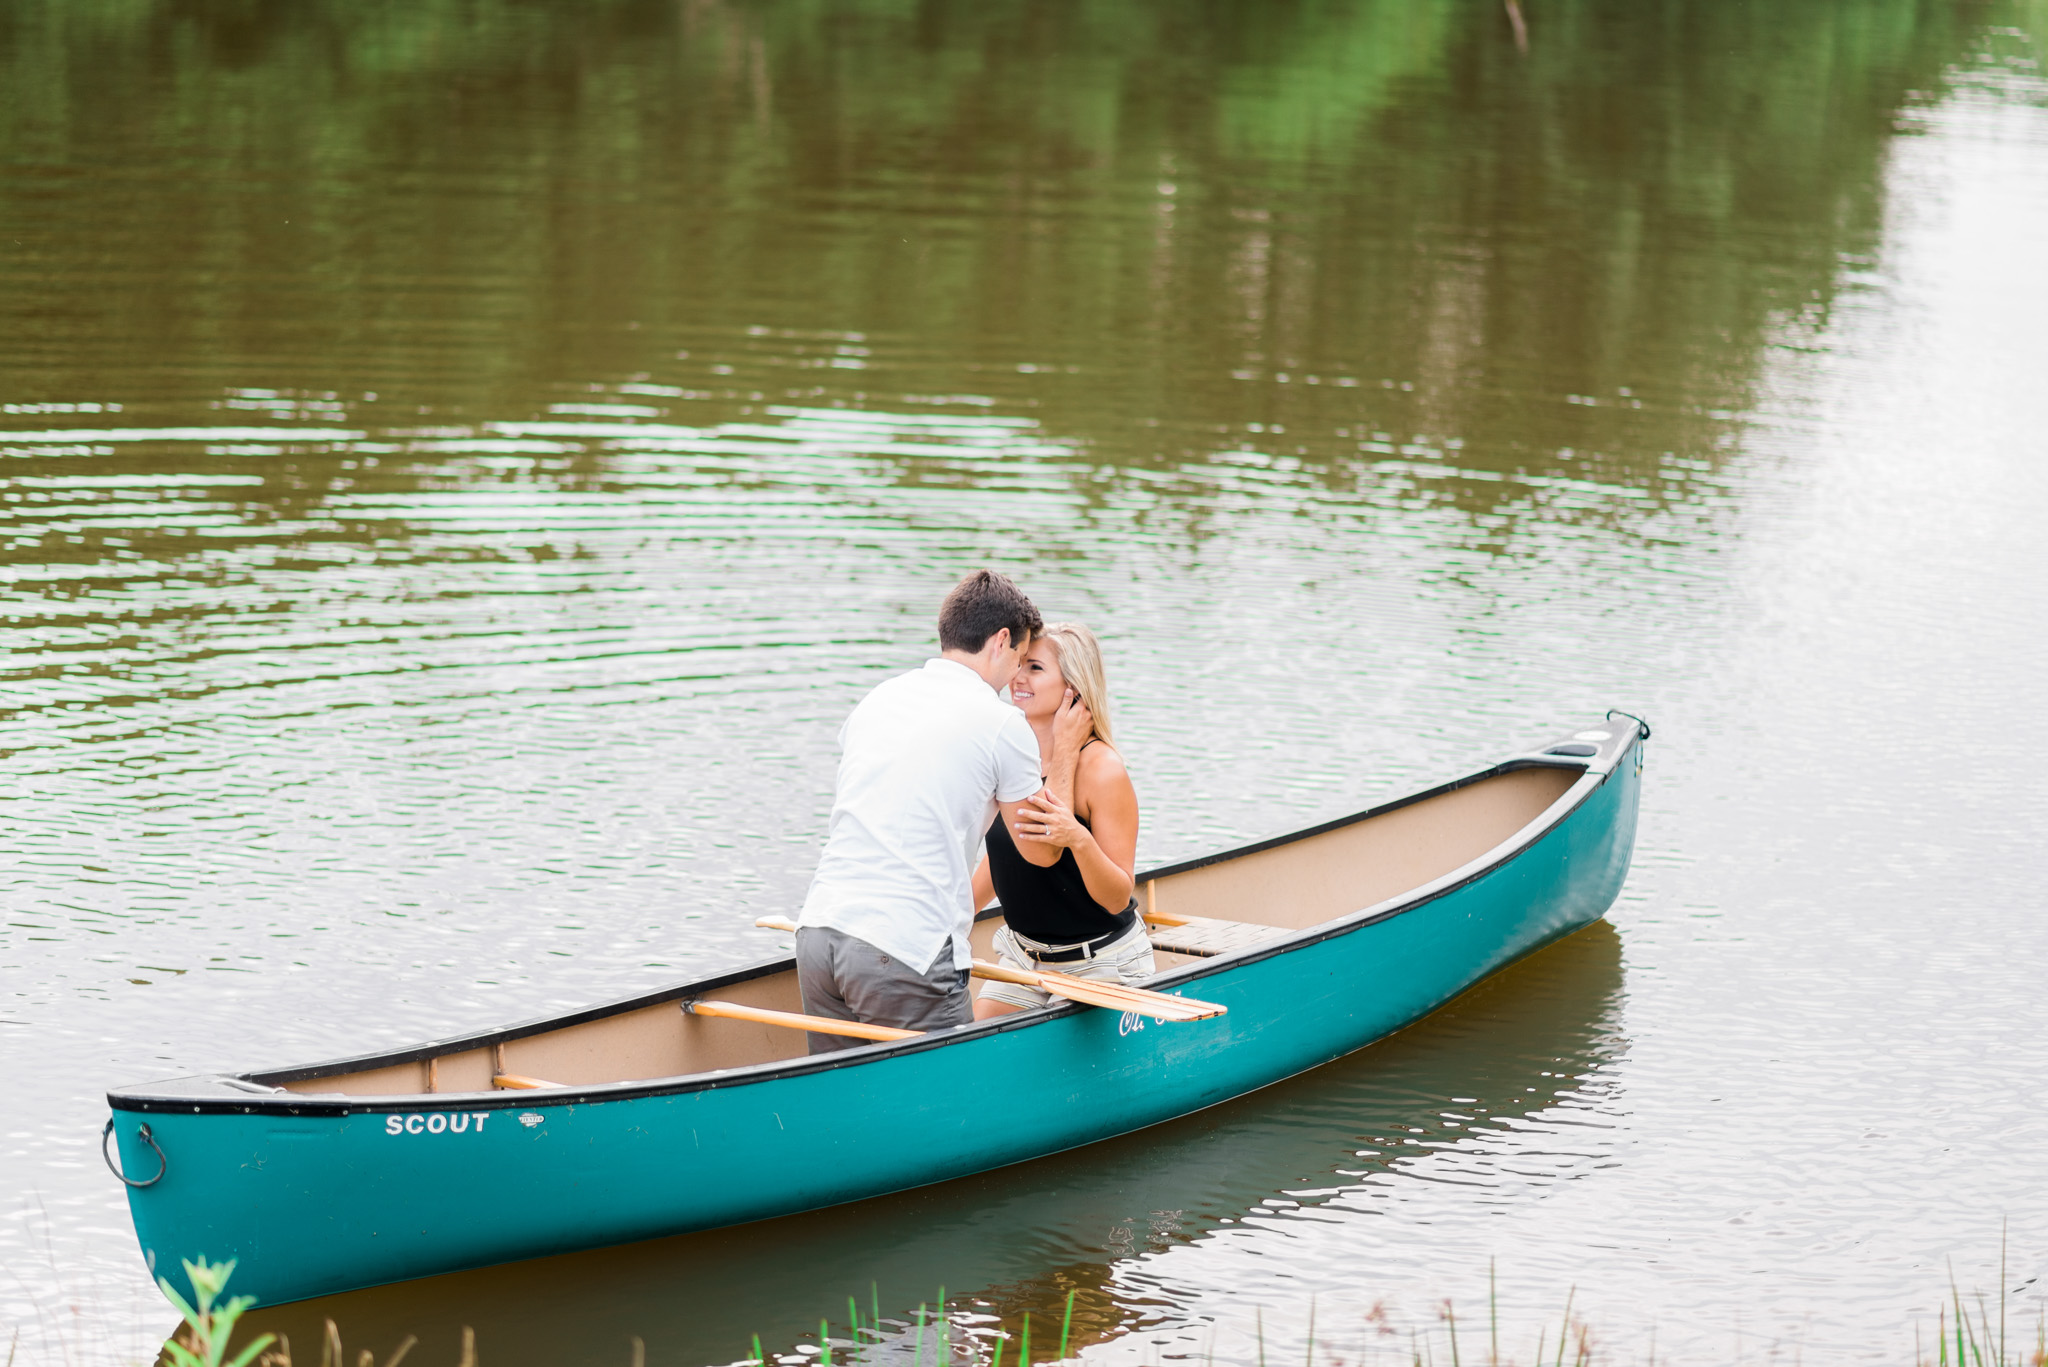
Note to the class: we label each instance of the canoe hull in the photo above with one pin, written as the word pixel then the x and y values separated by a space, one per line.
pixel 322 1201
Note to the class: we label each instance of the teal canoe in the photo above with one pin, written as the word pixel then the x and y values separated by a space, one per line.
pixel 649 1119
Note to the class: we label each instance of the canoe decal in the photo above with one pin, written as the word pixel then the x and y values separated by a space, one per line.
pixel 435 1122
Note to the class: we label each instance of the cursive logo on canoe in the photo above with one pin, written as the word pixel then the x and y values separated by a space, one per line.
pixel 1131 1022
pixel 436 1122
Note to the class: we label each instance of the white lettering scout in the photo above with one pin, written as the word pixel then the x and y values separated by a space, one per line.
pixel 435 1122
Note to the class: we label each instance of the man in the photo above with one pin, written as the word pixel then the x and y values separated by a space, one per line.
pixel 926 761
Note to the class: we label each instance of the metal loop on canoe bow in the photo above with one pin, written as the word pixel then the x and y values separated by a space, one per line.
pixel 163 1163
pixel 1642 727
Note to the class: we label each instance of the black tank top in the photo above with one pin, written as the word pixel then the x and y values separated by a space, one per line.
pixel 1051 905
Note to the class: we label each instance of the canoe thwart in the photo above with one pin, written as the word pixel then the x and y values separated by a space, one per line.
pixel 823 1025
pixel 519 1082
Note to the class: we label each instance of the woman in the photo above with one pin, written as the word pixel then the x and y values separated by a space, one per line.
pixel 1078 916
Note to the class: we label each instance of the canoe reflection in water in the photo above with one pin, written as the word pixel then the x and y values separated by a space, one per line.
pixel 1018 1240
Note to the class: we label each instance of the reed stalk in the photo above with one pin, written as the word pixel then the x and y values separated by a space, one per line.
pixel 1493 1314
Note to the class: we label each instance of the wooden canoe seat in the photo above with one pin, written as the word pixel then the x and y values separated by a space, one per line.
pixel 1205 937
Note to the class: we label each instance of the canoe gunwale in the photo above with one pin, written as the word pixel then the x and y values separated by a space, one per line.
pixel 1593 774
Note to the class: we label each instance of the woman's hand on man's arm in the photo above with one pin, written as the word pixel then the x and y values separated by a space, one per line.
pixel 1043 819
pixel 1016 817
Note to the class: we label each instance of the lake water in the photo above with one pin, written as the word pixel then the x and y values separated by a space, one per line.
pixel 459 463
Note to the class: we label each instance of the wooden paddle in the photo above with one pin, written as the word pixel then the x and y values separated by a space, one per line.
pixel 1109 996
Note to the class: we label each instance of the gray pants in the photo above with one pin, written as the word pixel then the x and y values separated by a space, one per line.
pixel 846 978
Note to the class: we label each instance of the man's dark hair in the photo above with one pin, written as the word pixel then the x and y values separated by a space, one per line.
pixel 981 605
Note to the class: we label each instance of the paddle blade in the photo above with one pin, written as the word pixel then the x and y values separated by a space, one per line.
pixel 1109 996
pixel 1114 997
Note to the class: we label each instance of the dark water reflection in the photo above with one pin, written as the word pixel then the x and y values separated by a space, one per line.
pixel 1151 225
pixel 460 461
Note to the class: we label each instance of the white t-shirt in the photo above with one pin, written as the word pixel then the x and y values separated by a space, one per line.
pixel 923 761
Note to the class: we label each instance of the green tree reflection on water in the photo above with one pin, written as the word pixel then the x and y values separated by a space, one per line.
pixel 1337 220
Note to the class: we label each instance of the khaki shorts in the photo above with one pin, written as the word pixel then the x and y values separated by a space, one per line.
pixel 845 978
pixel 1128 960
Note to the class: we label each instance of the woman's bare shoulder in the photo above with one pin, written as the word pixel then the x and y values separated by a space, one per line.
pixel 1101 766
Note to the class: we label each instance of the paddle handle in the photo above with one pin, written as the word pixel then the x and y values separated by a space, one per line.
pixel 792 1020
pixel 776 923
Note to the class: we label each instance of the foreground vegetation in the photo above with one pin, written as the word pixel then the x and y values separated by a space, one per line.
pixel 1966 1335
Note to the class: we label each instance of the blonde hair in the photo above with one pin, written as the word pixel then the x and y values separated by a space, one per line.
pixel 1080 661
